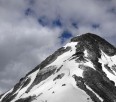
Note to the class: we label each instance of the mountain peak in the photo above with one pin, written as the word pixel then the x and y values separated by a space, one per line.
pixel 86 36
pixel 84 70
pixel 93 42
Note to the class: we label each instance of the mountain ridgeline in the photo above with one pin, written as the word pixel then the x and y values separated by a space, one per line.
pixel 84 70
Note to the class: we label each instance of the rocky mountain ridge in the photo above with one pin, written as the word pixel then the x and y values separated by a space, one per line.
pixel 84 70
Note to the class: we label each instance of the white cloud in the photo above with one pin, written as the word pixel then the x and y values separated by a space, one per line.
pixel 82 11
pixel 23 43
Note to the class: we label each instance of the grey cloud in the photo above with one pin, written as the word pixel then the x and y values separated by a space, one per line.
pixel 23 43
pixel 20 53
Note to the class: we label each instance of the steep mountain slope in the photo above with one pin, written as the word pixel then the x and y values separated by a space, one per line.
pixel 84 70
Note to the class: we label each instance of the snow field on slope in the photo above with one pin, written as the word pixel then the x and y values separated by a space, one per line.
pixel 58 93
pixel 45 89
pixel 65 69
pixel 65 56
pixel 69 68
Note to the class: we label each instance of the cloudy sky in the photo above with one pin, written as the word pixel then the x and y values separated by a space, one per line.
pixel 30 30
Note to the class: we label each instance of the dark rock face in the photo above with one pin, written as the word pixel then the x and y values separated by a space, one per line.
pixel 104 88
pixel 108 68
pixel 59 68
pixel 99 83
pixel 79 56
pixel 114 67
pixel 97 80
pixel 81 84
pixel 1 95
pixel 9 97
pixel 41 76
pixel 59 76
pixel 89 41
pixel 63 84
pixel 93 44
pixel 26 83
pixel 28 99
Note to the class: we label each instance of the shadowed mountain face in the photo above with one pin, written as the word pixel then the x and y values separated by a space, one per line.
pixel 84 70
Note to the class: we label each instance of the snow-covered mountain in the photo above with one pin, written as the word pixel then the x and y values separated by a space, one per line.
pixel 84 70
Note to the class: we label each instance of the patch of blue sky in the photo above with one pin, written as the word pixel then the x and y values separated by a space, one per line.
pixel 65 36
pixel 29 11
pixel 75 25
pixel 95 26
pixel 44 21
pixel 57 23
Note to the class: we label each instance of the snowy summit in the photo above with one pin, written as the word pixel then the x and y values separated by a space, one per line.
pixel 84 70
